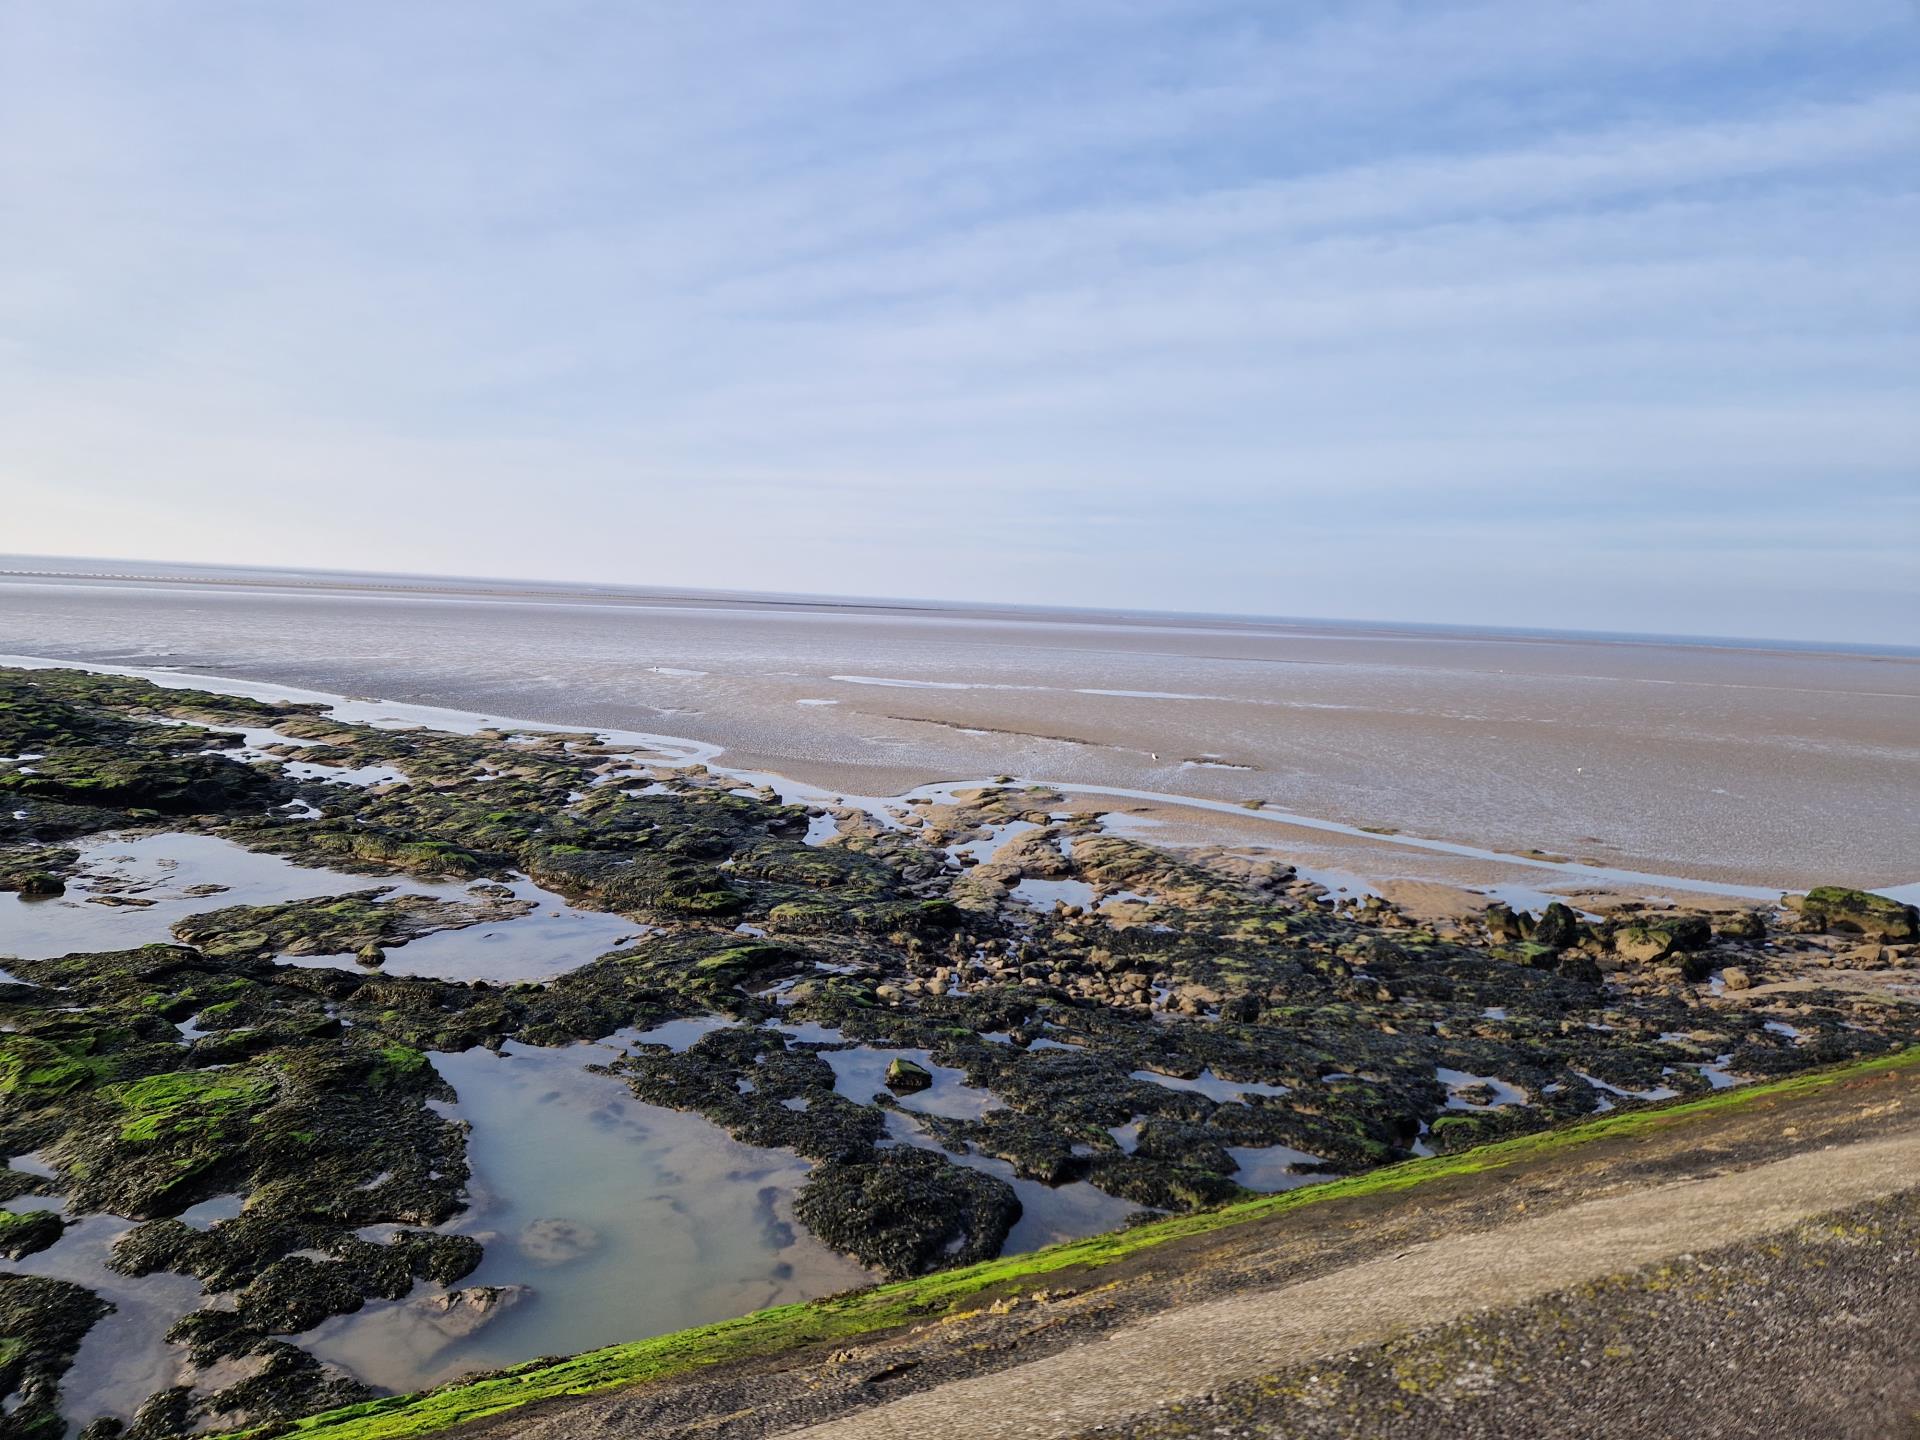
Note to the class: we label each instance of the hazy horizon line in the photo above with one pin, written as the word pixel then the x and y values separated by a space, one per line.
pixel 210 571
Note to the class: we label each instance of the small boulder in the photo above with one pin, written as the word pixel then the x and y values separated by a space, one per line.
pixel 459 1313
pixel 23 1232
pixel 1242 1009
pixel 1642 944
pixel 1557 928
pixel 1503 926
pixel 905 1078
pixel 1737 977
pixel 1653 938
pixel 1579 967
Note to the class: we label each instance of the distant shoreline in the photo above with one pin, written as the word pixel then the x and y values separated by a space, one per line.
pixel 395 585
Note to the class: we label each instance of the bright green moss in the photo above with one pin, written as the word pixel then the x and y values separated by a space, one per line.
pixel 30 1067
pixel 186 1102
pixel 397 1065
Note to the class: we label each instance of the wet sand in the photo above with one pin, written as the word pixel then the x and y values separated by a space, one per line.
pixel 1745 765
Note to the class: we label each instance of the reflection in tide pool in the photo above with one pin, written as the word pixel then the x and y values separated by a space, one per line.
pixel 860 1074
pixel 125 1357
pixel 168 877
pixel 1045 894
pixel 161 871
pixel 1211 1085
pixel 1269 1168
pixel 548 941
pixel 622 1219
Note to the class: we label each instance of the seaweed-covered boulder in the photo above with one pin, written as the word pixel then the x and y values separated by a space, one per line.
pixel 36 873
pixel 22 1232
pixel 1654 938
pixel 1838 910
pixel 1557 928
pixel 361 922
pixel 908 1211
pixel 905 1077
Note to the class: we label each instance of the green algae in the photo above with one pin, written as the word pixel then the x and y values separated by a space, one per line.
pixel 32 1066
pixel 187 1103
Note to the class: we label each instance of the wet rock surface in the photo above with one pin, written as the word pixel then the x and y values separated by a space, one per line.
pixel 905 1006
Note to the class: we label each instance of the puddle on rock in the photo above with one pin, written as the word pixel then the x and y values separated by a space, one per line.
pixel 125 1357
pixel 1044 894
pixel 160 869
pixel 676 1035
pixel 210 1212
pixel 1211 1085
pixel 1657 1092
pixel 1271 1168
pixel 548 941
pixel 860 1073
pixel 981 849
pixel 622 1220
pixel 1502 1092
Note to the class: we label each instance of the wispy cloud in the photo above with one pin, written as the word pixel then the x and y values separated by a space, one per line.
pixel 1599 314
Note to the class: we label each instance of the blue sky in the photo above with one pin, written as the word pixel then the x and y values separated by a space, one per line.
pixel 1601 315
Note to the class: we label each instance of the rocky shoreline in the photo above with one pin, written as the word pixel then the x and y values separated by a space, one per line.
pixel 955 1016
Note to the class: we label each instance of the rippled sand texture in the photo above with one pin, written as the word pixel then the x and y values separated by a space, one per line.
pixel 1750 765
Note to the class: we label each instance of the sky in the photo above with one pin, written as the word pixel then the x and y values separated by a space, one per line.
pixel 1589 315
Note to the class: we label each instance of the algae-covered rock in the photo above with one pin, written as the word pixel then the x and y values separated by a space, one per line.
pixel 1838 910
pixel 1655 938
pixel 906 1078
pixel 163 784
pixel 361 922
pixel 1557 928
pixel 908 1211
pixel 22 1232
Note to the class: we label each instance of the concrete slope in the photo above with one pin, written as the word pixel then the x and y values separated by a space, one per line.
pixel 1196 1349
